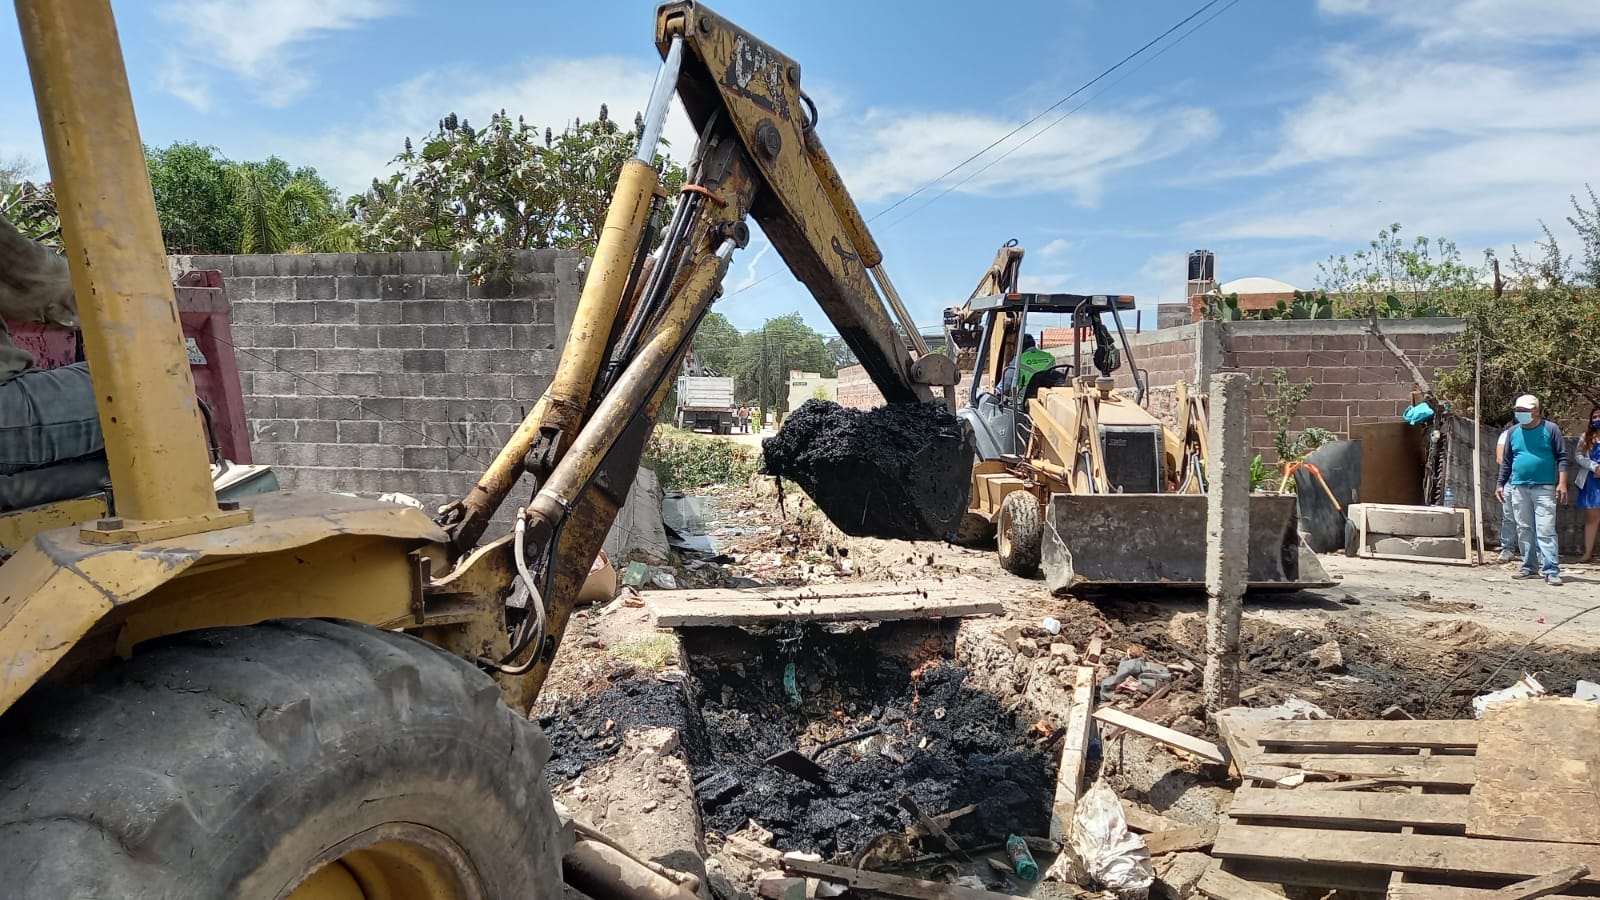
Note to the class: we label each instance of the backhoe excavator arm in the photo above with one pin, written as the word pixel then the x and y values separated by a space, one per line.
pixel 758 156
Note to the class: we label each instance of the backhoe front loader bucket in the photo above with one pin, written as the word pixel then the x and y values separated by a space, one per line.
pixel 1105 541
pixel 901 471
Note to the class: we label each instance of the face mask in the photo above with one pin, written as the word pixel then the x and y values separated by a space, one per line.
pixel 1594 423
pixel 1524 418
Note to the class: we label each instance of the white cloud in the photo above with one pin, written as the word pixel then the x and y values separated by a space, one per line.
pixel 548 93
pixel 1056 249
pixel 1474 145
pixel 888 154
pixel 183 80
pixel 257 40
pixel 1456 22
pixel 751 276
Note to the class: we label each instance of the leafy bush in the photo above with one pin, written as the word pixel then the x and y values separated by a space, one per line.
pixel 685 459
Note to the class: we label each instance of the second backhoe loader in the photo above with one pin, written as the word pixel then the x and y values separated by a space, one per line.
pixel 1079 480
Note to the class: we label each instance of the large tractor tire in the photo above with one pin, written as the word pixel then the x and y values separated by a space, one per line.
pixel 290 760
pixel 1019 534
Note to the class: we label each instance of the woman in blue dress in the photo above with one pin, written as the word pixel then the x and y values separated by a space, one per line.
pixel 1589 494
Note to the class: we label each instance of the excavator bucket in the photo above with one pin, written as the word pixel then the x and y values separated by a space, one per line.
pixel 1095 542
pixel 901 471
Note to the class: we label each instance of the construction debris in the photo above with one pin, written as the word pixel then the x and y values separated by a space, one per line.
pixel 1203 749
pixel 1103 846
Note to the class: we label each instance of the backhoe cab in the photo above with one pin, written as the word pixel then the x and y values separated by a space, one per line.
pixel 1078 478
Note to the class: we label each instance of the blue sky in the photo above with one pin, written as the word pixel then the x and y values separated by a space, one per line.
pixel 1276 134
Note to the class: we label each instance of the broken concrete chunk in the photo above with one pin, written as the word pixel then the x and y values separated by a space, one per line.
pixel 1178 875
pixel 777 886
pixel 1329 657
pixel 1027 646
pixel 660 741
pixel 1063 650
pixel 751 853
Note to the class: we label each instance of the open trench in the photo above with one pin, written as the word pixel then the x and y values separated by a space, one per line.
pixel 938 738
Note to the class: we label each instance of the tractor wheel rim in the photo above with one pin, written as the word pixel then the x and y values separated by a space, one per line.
pixel 395 861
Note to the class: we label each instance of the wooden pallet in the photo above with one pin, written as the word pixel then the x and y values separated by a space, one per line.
pixel 1378 806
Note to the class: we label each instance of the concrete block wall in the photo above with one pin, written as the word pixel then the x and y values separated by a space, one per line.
pixel 1355 379
pixel 856 390
pixel 391 372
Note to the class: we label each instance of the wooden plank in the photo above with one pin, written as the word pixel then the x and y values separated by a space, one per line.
pixel 1172 738
pixel 1434 734
pixel 1543 886
pixel 1188 837
pixel 1219 885
pixel 1410 853
pixel 1538 767
pixel 1452 892
pixel 1350 808
pixel 1074 751
pixel 1146 822
pixel 1398 878
pixel 790 593
pixel 1325 878
pixel 669 611
pixel 893 885
pixel 1401 769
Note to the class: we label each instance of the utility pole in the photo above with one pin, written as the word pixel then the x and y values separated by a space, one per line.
pixel 1227 535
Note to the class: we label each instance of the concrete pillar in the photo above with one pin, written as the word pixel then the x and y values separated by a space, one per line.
pixel 1207 352
pixel 1227 535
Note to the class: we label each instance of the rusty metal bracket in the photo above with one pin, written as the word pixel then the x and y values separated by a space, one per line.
pixel 421 575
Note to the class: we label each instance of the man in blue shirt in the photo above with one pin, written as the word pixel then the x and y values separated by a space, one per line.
pixel 1535 469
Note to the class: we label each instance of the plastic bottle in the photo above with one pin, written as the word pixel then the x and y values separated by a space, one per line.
pixel 1021 858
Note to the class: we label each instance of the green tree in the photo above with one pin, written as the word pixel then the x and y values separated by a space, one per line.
pixel 1542 336
pixel 765 357
pixel 194 198
pixel 210 204
pixel 14 171
pixel 32 209
pixel 716 343
pixel 279 211
pixel 1391 278
pixel 507 187
pixel 841 353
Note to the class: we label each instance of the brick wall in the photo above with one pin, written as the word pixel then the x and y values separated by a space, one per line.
pixel 389 372
pixel 856 390
pixel 1354 377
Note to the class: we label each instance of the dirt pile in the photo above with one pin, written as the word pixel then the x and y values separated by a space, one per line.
pixel 899 471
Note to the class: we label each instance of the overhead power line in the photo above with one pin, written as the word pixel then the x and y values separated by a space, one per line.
pixel 1059 119
pixel 1036 117
pixel 1052 107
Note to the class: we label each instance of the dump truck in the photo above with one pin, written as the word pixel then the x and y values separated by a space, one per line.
pixel 705 402
pixel 299 695
pixel 1079 480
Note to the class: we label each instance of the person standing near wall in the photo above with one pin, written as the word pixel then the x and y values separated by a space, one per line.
pixel 1587 482
pixel 1535 469
pixel 1508 521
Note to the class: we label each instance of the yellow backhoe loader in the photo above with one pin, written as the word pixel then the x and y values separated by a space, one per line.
pixel 1079 479
pixel 310 696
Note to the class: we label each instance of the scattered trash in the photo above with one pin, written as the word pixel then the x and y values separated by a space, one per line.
pixel 663 577
pixel 1107 850
pixel 1021 860
pixel 791 684
pixel 402 499
pixel 1051 624
pixel 1586 690
pixel 798 764
pixel 1526 686
pixel 636 574
pixel 1147 676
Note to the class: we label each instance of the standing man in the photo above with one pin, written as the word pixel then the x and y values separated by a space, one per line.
pixel 1535 468
pixel 1508 519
